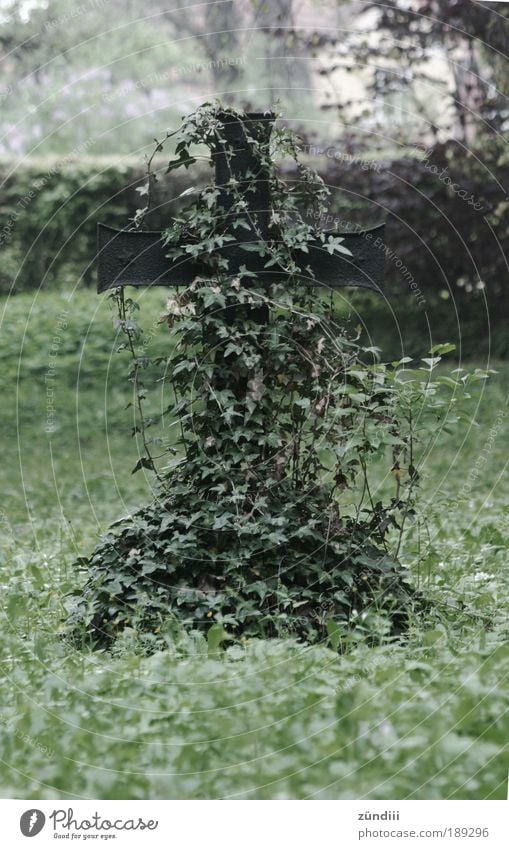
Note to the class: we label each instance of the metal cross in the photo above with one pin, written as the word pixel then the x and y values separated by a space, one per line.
pixel 137 257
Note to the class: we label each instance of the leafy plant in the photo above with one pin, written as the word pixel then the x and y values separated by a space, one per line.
pixel 267 521
pixel 374 722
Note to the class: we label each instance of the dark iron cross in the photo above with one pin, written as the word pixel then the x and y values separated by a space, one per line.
pixel 137 258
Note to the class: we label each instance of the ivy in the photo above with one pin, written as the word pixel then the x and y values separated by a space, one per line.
pixel 270 522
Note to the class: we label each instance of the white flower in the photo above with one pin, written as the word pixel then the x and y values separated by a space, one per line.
pixel 174 308
pixel 482 576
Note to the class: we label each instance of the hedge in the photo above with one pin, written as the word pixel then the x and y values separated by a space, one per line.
pixel 447 229
pixel 49 209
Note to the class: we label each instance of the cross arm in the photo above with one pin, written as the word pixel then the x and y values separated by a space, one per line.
pixel 137 258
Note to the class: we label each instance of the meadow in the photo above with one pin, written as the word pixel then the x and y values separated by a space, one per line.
pixel 423 717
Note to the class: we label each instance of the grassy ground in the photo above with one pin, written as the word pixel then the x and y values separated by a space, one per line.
pixel 427 718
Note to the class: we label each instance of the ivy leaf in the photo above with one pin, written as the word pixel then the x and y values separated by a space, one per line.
pixel 256 386
pixel 144 463
pixel 334 245
pixel 221 521
pixel 444 348
pixel 215 636
pixel 334 634
pixel 184 159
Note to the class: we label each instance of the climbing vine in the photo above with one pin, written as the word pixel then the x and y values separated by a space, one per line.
pixel 281 507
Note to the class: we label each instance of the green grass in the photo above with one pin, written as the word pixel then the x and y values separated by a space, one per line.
pixel 425 718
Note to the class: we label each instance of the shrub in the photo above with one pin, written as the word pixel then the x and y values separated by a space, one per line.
pixel 49 210
pixel 267 524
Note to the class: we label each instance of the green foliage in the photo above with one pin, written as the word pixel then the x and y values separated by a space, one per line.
pixel 59 92
pixel 423 718
pixel 50 207
pixel 456 290
pixel 49 217
pixel 262 720
pixel 265 523
pixel 64 401
pixel 53 238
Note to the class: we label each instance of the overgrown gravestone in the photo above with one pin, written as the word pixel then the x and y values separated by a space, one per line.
pixel 265 523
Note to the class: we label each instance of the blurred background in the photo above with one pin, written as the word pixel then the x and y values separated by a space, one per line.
pixel 402 107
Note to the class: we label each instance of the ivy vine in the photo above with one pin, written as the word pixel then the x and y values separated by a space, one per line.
pixel 272 512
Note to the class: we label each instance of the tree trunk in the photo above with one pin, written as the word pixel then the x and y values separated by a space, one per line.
pixel 222 45
pixel 286 58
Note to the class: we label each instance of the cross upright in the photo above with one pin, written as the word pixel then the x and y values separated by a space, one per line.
pixel 137 258
pixel 245 525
